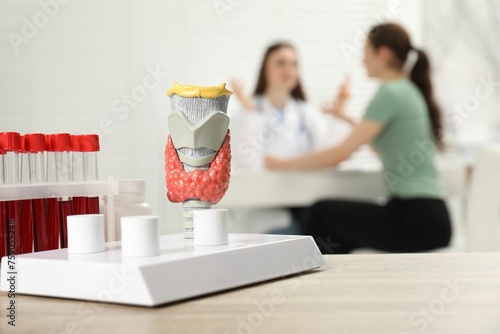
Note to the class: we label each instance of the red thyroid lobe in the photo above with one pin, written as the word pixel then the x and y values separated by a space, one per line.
pixel 205 185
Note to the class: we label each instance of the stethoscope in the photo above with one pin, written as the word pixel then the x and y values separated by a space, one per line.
pixel 280 115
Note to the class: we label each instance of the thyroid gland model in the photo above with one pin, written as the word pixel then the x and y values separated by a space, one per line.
pixel 198 153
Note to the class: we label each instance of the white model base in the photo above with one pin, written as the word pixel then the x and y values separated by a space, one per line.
pixel 177 273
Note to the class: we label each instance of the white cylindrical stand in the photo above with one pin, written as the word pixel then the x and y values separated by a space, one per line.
pixel 210 227
pixel 85 234
pixel 140 236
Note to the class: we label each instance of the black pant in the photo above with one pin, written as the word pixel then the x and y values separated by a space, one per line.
pixel 400 226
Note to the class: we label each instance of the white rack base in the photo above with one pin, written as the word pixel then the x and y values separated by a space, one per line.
pixel 177 273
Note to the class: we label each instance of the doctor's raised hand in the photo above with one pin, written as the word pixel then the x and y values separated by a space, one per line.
pixel 238 88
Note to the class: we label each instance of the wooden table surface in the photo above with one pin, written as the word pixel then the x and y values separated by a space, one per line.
pixel 385 293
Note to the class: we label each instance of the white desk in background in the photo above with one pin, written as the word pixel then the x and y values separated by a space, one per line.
pixel 360 177
pixel 264 189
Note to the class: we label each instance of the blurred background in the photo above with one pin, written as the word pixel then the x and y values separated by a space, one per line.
pixel 105 66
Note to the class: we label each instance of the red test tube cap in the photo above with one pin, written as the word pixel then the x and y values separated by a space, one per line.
pixel 75 143
pixel 89 143
pixel 60 142
pixel 48 143
pixel 34 142
pixel 10 142
pixel 22 146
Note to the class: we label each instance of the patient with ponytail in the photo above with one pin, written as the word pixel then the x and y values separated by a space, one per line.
pixel 403 124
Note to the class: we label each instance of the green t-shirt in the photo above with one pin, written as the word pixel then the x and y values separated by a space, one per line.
pixel 405 144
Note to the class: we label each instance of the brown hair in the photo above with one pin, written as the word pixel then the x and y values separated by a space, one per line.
pixel 260 88
pixel 394 37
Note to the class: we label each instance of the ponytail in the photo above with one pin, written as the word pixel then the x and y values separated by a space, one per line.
pixel 413 61
pixel 420 75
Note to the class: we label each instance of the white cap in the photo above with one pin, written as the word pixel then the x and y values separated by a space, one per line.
pixel 140 236
pixel 210 227
pixel 85 234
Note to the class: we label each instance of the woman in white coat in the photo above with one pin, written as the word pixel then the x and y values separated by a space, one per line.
pixel 278 120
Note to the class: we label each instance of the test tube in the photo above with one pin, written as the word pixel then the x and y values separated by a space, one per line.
pixel 53 225
pixel 35 147
pixel 50 160
pixel 79 202
pixel 26 205
pixel 23 161
pixel 61 145
pixel 89 146
pixel 10 143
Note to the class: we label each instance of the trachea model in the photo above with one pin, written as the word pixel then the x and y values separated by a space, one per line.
pixel 198 153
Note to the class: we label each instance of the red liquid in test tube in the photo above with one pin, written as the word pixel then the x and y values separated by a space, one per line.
pixel 3 216
pixel 35 148
pixel 10 144
pixel 61 145
pixel 3 229
pixel 89 146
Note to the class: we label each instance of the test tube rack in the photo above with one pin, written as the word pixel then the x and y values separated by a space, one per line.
pixel 12 192
pixel 178 273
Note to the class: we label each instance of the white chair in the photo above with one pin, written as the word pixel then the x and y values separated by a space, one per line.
pixel 452 171
pixel 483 204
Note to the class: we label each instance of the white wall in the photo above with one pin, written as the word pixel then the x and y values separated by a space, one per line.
pixel 462 40
pixel 74 71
